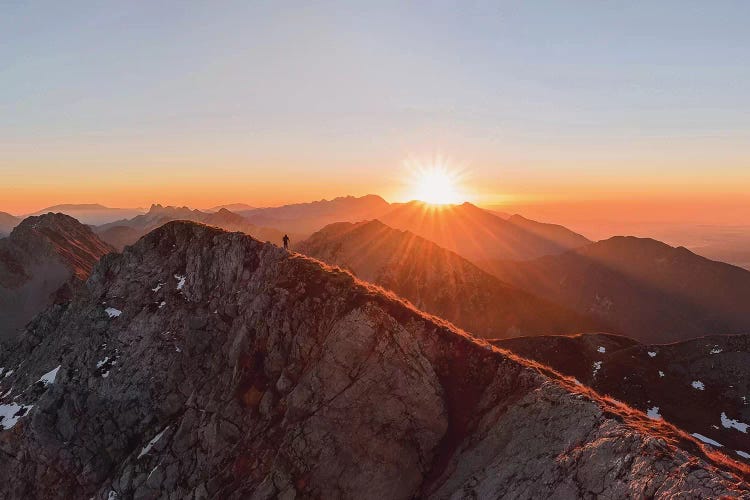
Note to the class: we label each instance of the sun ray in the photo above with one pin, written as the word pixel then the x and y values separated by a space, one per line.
pixel 435 182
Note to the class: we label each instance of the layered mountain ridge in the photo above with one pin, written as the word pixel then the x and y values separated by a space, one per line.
pixel 43 260
pixel 645 289
pixel 479 235
pixel 281 377
pixel 440 282
pixel 126 232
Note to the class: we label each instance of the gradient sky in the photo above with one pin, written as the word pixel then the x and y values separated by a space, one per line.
pixel 201 103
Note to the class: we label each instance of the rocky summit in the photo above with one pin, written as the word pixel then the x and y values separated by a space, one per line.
pixel 43 260
pixel 205 364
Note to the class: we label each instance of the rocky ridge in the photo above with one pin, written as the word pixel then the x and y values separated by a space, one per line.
pixel 201 364
pixel 42 260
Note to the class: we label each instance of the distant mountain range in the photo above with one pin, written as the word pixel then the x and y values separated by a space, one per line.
pixel 91 213
pixel 643 288
pixel 127 232
pixel 440 282
pixel 479 235
pixel 700 385
pixel 7 223
pixel 306 218
pixel 232 207
pixel 42 261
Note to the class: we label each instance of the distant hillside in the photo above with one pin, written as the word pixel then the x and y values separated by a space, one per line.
pixel 126 232
pixel 700 385
pixel 91 213
pixel 644 288
pixel 440 282
pixel 7 223
pixel 306 218
pixel 43 260
pixel 232 207
pixel 478 235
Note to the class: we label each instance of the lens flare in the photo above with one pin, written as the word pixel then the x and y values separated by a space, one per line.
pixel 435 183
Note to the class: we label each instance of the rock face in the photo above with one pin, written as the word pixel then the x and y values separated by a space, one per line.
pixel 43 260
pixel 645 289
pixel 700 385
pixel 126 232
pixel 440 282
pixel 203 364
pixel 480 235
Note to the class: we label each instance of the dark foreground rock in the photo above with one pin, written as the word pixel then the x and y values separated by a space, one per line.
pixel 701 385
pixel 203 364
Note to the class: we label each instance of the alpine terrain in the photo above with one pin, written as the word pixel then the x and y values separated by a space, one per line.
pixel 205 364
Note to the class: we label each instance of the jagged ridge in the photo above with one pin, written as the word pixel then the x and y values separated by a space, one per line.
pixel 228 368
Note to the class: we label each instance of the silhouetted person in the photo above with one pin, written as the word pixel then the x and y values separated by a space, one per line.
pixel 286 242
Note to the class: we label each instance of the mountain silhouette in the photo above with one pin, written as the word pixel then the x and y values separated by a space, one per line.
pixel 127 232
pixel 440 282
pixel 306 218
pixel 7 223
pixel 645 289
pixel 478 234
pixel 43 260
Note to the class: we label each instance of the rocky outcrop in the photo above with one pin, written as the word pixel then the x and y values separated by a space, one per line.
pixel 41 262
pixel 441 282
pixel 203 364
pixel 700 385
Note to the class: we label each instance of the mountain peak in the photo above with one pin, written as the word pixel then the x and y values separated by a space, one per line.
pixel 281 376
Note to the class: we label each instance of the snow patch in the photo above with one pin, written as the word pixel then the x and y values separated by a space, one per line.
pixel 8 374
pixel 101 363
pixel 11 413
pixel 151 443
pixel 157 287
pixel 743 454
pixel 597 367
pixel 601 349
pixel 180 281
pixel 112 312
pixel 162 304
pixel 697 384
pixel 661 373
pixel 652 354
pixel 706 440
pixel 653 413
pixel 50 376
pixel 715 350
pixel 733 424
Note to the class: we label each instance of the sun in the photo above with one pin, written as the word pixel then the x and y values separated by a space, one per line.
pixel 436 185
